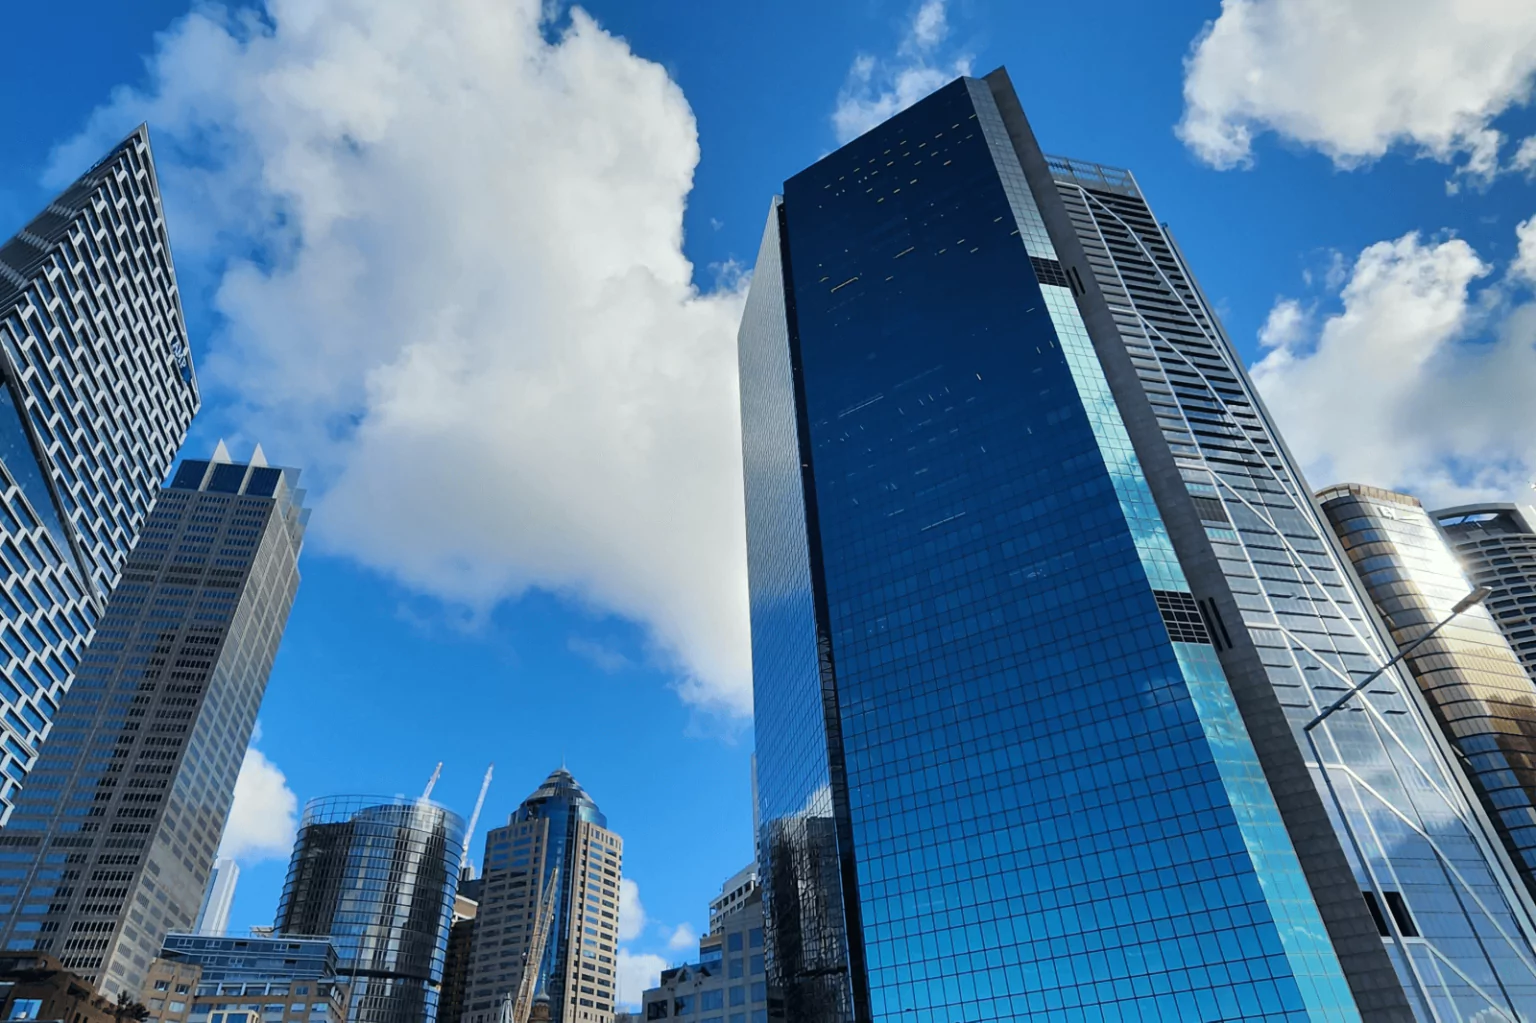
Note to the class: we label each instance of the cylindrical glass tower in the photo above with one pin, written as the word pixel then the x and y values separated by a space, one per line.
pixel 378 876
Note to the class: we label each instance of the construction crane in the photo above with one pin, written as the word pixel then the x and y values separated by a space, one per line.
pixel 432 781
pixel 474 819
pixel 533 958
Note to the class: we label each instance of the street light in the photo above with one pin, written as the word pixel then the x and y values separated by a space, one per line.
pixel 1471 600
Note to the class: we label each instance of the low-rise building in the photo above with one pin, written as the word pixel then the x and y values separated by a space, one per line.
pixel 728 983
pixel 37 987
pixel 245 980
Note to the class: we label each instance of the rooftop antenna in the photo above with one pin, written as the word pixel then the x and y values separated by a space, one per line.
pixel 474 818
pixel 432 781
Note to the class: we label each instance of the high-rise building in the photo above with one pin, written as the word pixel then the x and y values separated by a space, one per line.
pixel 97 394
pixel 113 841
pixel 1481 696
pixel 213 916
pixel 378 876
pixel 203 978
pixel 1497 544
pixel 555 847
pixel 1041 614
pixel 461 946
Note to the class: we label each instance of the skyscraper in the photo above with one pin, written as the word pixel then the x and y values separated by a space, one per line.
pixel 213 917
pixel 97 395
pixel 556 846
pixel 1497 544
pixel 1476 687
pixel 378 877
pixel 1020 751
pixel 112 844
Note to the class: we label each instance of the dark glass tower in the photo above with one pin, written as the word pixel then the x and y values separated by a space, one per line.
pixel 111 846
pixel 1005 770
pixel 555 846
pixel 96 393
pixel 378 877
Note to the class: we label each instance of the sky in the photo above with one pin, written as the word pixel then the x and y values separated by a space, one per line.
pixel 476 267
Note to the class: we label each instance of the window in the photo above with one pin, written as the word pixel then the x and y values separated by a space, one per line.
pixel 738 996
pixel 176 1006
pixel 711 1000
pixel 656 1010
pixel 684 1005
pixel 757 964
pixel 736 971
pixel 733 941
pixel 162 985
pixel 759 991
pixel 26 1008
pixel 759 1016
pixel 755 937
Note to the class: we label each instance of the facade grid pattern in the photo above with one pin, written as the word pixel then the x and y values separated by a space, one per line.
pixel 1497 543
pixel 112 845
pixel 1271 572
pixel 96 394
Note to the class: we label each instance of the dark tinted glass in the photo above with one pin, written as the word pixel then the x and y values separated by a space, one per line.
pixel 189 475
pixel 226 478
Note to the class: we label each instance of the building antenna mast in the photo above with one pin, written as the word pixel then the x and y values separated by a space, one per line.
pixel 432 781
pixel 474 819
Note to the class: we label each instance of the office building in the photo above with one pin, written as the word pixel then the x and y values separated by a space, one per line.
pixel 378 876
pixel 461 945
pixel 728 983
pixel 98 393
pixel 555 848
pixel 1041 609
pixel 201 978
pixel 1497 544
pixel 34 986
pixel 213 916
pixel 113 842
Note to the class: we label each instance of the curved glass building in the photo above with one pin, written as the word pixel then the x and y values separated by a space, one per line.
pixel 1497 544
pixel 378 876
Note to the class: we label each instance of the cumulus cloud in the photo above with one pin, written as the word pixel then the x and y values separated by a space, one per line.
pixel 875 88
pixel 683 937
pixel 1525 258
pixel 444 238
pixel 1355 78
pixel 638 971
pixel 1524 160
pixel 264 814
pixel 631 911
pixel 1422 379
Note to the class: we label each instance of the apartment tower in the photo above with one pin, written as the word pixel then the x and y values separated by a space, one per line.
pixel 96 393
pixel 1497 544
pixel 1042 612
pixel 114 843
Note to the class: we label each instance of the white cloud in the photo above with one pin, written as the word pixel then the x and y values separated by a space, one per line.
pixel 446 239
pixel 1524 159
pixel 631 912
pixel 683 937
pixel 876 89
pixel 1525 257
pixel 1420 381
pixel 1355 77
pixel 263 815
pixel 636 973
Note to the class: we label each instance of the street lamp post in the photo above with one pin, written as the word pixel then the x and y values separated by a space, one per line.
pixel 1477 596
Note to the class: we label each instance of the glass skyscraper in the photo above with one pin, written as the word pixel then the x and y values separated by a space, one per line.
pixel 97 394
pixel 1480 695
pixel 1497 544
pixel 377 876
pixel 1019 756
pixel 111 845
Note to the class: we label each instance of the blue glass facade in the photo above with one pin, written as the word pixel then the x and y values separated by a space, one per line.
pixel 1001 775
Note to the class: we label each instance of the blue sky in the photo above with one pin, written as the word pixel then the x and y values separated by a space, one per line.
pixel 478 274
